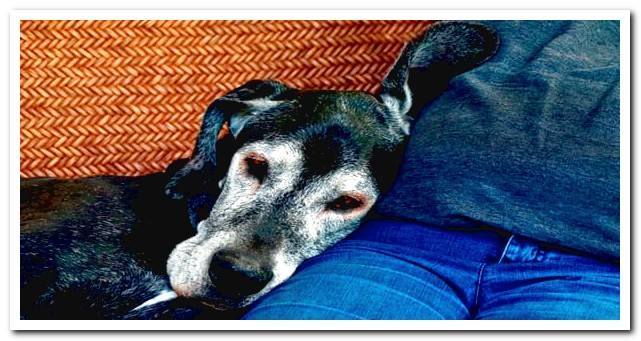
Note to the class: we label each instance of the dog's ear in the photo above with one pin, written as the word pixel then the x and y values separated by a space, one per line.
pixel 224 119
pixel 425 66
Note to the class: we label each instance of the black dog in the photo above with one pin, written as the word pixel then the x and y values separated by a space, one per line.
pixel 277 176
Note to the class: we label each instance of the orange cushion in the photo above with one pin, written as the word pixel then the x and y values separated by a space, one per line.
pixel 127 97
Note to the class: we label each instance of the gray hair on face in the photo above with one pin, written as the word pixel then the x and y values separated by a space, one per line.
pixel 304 226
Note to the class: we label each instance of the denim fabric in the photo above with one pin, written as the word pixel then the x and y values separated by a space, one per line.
pixel 528 142
pixel 397 270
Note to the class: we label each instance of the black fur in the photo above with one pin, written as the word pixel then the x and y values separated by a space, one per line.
pixel 95 248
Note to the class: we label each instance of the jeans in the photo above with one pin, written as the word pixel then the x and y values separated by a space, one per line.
pixel 400 270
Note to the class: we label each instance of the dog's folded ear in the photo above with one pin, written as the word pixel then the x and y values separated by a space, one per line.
pixel 426 65
pixel 224 119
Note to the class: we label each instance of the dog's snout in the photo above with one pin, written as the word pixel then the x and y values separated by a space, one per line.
pixel 234 274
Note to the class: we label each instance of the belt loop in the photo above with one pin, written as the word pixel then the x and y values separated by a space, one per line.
pixel 507 244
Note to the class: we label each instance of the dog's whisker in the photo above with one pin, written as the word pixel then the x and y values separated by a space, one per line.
pixel 165 295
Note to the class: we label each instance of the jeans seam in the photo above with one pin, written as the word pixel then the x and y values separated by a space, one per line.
pixel 478 287
pixel 507 245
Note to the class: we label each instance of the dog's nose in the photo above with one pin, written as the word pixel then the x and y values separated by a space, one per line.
pixel 234 274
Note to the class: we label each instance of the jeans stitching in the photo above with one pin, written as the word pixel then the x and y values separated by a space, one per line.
pixel 478 288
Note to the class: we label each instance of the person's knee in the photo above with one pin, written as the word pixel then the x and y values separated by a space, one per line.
pixel 358 284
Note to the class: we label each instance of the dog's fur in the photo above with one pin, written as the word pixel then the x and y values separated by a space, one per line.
pixel 276 177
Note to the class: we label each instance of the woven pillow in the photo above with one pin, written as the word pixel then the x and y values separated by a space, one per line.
pixel 127 97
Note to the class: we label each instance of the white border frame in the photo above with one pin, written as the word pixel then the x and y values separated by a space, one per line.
pixel 625 164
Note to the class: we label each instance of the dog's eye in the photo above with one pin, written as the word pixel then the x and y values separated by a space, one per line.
pixel 256 166
pixel 344 203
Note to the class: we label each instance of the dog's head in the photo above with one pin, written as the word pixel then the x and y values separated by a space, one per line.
pixel 295 171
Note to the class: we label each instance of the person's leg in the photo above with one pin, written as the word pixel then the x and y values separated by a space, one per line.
pixel 532 283
pixel 386 270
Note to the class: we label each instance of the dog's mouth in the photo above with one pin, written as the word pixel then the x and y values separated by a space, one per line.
pixel 218 301
pixel 221 276
pixel 223 290
pixel 214 270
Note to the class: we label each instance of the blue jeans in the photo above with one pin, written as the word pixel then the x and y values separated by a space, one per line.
pixel 400 270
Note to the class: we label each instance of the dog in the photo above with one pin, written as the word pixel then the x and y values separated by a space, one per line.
pixel 277 176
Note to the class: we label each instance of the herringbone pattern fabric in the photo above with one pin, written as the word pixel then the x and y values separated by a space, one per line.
pixel 127 97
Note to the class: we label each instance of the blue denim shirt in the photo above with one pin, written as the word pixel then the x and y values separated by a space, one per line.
pixel 527 142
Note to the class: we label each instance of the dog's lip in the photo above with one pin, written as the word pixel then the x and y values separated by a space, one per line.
pixel 206 303
pixel 182 292
pixel 214 299
pixel 217 305
pixel 219 302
